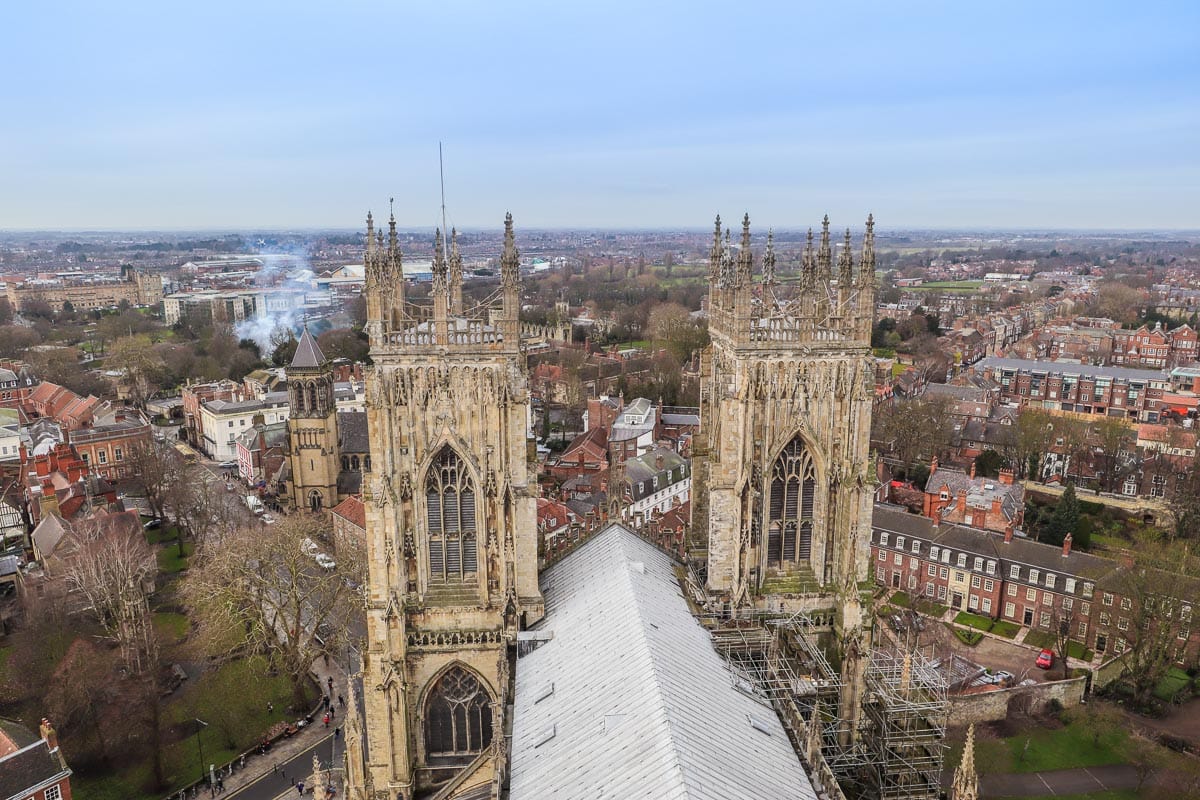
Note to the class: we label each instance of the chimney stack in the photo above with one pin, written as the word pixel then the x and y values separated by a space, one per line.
pixel 962 501
pixel 1008 533
pixel 933 465
pixel 972 470
pixel 1006 477
pixel 937 517
pixel 47 732
pixel 1067 545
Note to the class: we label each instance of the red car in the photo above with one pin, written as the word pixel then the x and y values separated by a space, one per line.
pixel 1045 659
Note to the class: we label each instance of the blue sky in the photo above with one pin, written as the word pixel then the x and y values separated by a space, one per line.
pixel 292 115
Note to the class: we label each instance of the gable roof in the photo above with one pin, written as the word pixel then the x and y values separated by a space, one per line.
pixel 308 355
pixel 353 511
pixel 628 698
pixel 31 767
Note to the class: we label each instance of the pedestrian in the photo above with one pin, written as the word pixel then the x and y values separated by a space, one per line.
pixel 274 766
pixel 270 707
pixel 300 788
pixel 341 701
pixel 326 720
pixel 332 710
pixel 220 784
pixel 337 732
pixel 329 680
pixel 325 701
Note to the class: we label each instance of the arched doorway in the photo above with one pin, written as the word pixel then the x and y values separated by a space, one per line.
pixel 315 501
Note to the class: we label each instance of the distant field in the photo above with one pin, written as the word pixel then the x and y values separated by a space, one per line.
pixel 960 286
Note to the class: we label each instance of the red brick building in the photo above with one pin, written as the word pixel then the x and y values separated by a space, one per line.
pixel 106 448
pixel 994 504
pixel 1031 584
pixel 32 767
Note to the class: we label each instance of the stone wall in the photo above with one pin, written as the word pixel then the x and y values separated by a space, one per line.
pixel 992 706
pixel 1108 672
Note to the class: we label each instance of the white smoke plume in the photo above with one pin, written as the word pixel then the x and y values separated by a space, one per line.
pixel 282 269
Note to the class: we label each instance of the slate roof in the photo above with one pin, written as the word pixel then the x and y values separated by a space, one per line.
pixel 352 432
pixel 980 491
pixel 1085 370
pixel 308 355
pixel 27 768
pixel 630 699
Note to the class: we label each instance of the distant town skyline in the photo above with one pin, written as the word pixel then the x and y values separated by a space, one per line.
pixel 301 116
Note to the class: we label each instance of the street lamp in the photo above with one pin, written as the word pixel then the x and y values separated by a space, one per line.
pixel 200 745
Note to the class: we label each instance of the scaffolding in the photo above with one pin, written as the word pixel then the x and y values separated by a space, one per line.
pixel 897 752
pixel 906 714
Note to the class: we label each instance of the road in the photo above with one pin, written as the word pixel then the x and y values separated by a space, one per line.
pixel 274 784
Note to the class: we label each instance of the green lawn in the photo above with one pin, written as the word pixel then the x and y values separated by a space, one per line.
pixel 1008 630
pixel 1040 639
pixel 169 560
pixel 1116 794
pixel 172 627
pixel 1059 748
pixel 1175 681
pixel 232 699
pixel 901 599
pixel 974 621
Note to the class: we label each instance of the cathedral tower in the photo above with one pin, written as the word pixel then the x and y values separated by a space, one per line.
pixel 451 529
pixel 784 483
pixel 312 428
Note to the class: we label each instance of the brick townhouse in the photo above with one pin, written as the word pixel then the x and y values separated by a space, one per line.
pixel 1080 388
pixel 1009 577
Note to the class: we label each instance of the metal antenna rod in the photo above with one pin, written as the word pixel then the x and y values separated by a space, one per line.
pixel 442 179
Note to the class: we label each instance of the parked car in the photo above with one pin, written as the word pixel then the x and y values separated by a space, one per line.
pixel 151 524
pixel 1045 659
pixel 1002 677
pixel 897 622
pixel 309 547
pixel 324 561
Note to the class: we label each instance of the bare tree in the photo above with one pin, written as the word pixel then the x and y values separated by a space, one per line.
pixel 196 500
pixel 1113 437
pixel 158 467
pixel 258 588
pixel 113 568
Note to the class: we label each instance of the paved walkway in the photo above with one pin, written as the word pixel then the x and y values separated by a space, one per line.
pixel 1059 782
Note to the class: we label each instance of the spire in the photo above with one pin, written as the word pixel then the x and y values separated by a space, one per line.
pixel 768 260
pixel 866 267
pixel 966 780
pixel 824 255
pixel 808 264
pixel 845 264
pixel 725 271
pixel 456 275
pixel 745 263
pixel 308 354
pixel 510 260
pixel 714 258
pixel 439 263
pixel 370 232
pixel 393 240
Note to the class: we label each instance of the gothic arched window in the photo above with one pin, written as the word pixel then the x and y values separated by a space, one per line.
pixel 458 717
pixel 315 500
pixel 450 514
pixel 354 463
pixel 311 405
pixel 791 509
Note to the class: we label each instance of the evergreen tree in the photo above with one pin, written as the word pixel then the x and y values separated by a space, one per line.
pixel 1065 517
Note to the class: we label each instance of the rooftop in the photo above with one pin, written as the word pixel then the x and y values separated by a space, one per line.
pixel 1086 370
pixel 630 699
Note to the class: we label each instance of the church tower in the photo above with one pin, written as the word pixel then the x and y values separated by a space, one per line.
pixel 451 529
pixel 312 427
pixel 784 483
